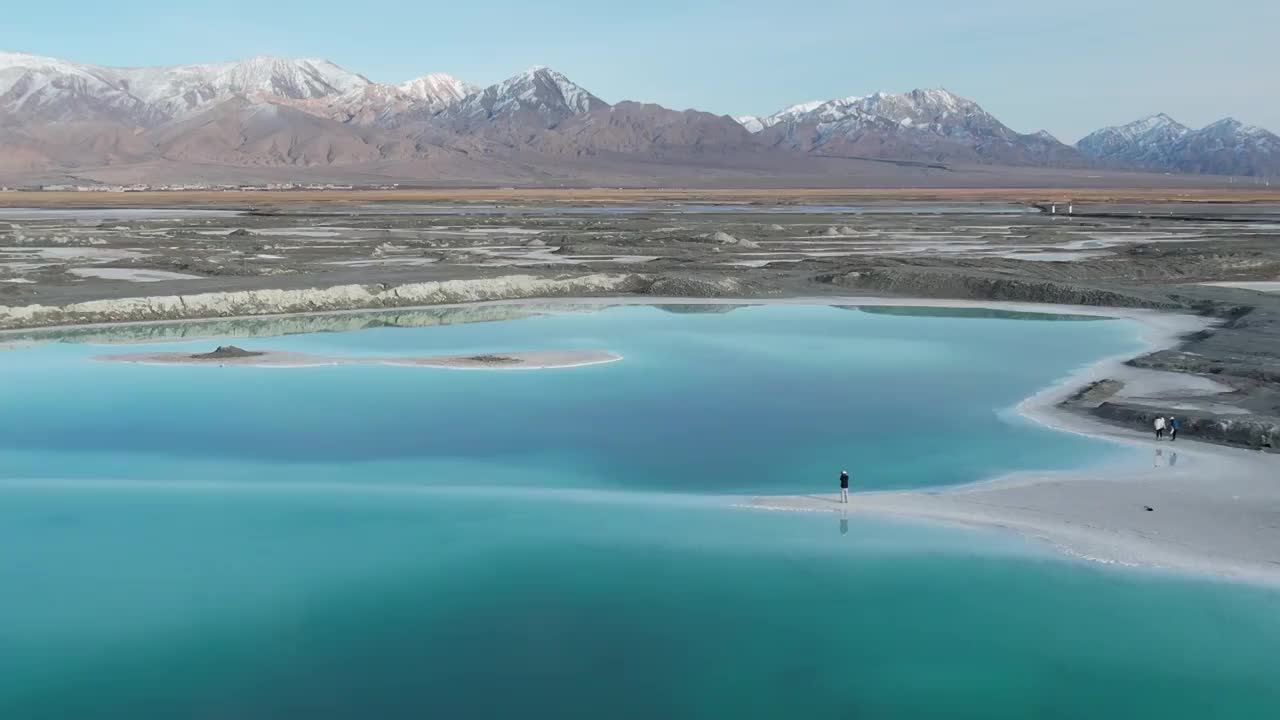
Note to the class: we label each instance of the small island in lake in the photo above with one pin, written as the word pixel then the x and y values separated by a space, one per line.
pixel 231 355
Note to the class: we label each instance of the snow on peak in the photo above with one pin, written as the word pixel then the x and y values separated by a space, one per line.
pixel 757 123
pixel 1227 125
pixel 915 108
pixel 918 105
pixel 539 90
pixel 295 79
pixel 573 95
pixel 1140 139
pixel 438 89
pixel 804 107
pixel 15 66
pixel 752 123
pixel 172 91
pixel 1150 123
pixel 1161 142
pixel 56 90
pixel 1233 129
pixel 31 62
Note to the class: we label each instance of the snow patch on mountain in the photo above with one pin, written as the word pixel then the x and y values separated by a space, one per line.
pixel 538 92
pixel 437 89
pixel 1227 146
pixel 752 123
pixel 73 91
pixel 181 89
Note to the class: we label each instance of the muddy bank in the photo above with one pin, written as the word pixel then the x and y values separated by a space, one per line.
pixel 342 297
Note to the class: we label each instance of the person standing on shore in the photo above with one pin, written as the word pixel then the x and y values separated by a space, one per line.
pixel 1173 428
pixel 844 487
pixel 1160 427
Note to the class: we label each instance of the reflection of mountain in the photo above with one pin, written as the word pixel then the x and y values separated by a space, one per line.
pixel 266 327
pixel 963 312
pixel 700 309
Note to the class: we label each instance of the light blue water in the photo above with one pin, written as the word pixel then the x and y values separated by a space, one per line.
pixel 761 399
pixel 368 542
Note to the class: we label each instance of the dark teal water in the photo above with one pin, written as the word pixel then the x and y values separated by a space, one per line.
pixel 365 542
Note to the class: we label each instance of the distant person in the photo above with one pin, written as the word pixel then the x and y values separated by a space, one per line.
pixel 1160 427
pixel 844 487
pixel 1173 428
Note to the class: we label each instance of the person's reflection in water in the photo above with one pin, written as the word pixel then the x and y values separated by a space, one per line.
pixel 1159 458
pixel 1173 459
pixel 844 522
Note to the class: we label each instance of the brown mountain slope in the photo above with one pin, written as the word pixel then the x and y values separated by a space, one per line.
pixel 646 130
pixel 243 132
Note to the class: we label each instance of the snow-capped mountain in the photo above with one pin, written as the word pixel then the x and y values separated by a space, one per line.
pixel 438 90
pixel 57 115
pixel 41 89
pixel 753 123
pixel 56 90
pixel 181 89
pixel 1143 142
pixel 538 96
pixel 1227 147
pixel 929 125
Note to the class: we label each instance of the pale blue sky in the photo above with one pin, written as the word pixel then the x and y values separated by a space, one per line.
pixel 1066 67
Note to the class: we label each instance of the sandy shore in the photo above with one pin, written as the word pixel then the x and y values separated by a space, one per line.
pixel 1210 514
pixel 537 360
pixel 1213 510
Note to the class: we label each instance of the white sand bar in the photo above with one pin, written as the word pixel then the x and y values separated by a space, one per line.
pixel 537 360
pixel 1214 511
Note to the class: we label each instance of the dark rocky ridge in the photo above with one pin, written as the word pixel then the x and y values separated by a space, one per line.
pixel 226 352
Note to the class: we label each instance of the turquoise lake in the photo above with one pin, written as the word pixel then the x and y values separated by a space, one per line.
pixel 399 542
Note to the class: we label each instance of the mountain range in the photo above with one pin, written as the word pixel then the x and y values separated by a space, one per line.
pixel 1226 147
pixel 64 119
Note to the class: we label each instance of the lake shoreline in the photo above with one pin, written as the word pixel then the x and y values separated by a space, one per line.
pixel 1211 515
